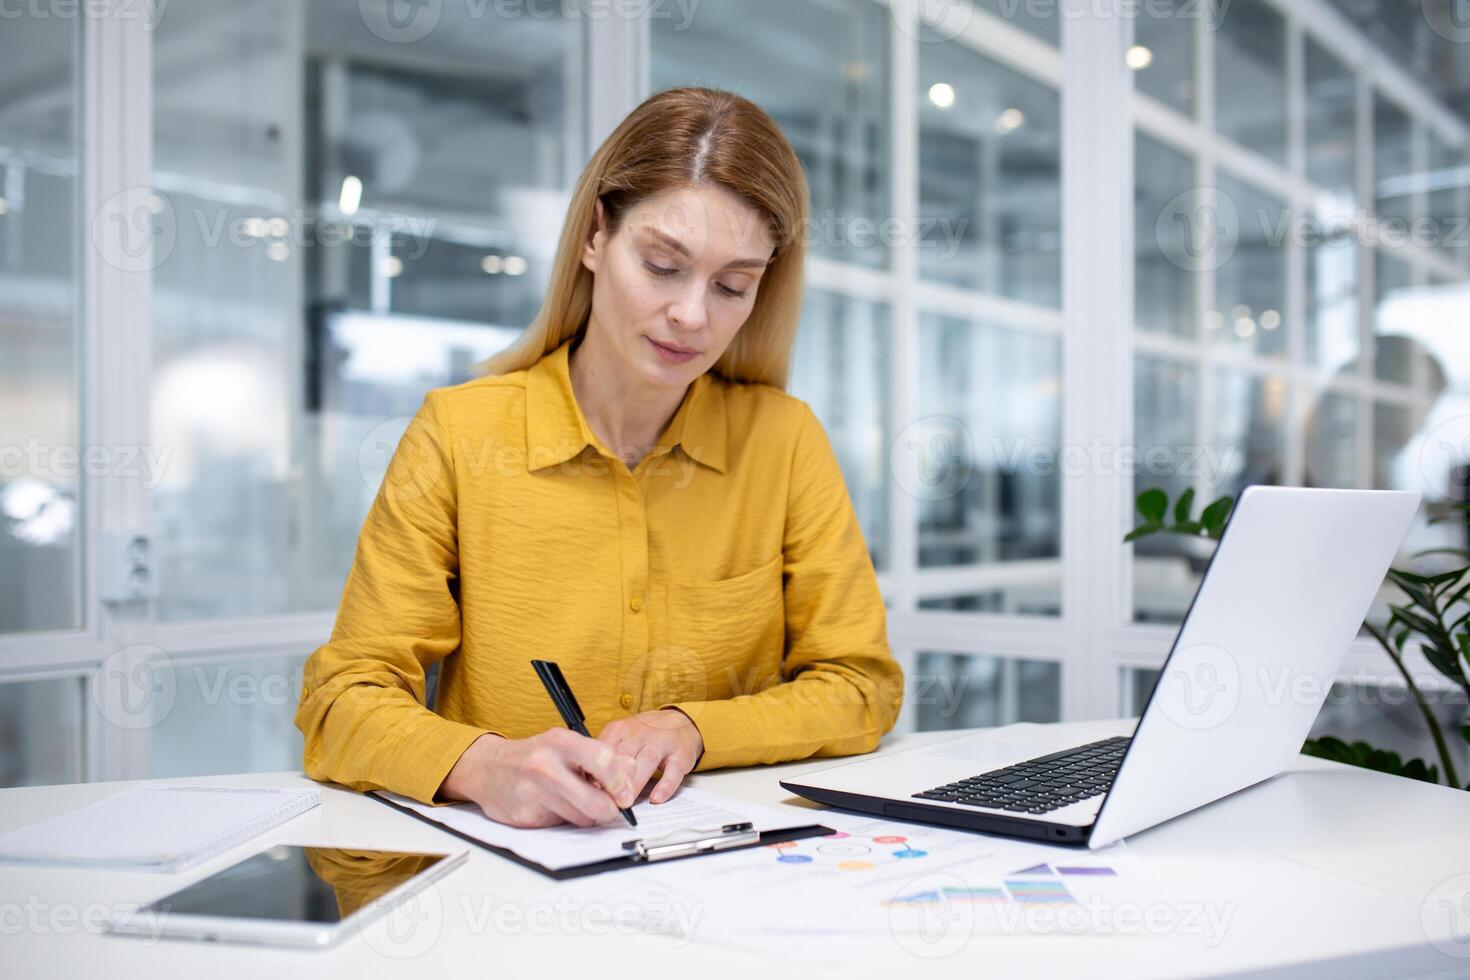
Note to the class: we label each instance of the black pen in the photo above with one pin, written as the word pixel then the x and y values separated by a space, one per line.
pixel 571 712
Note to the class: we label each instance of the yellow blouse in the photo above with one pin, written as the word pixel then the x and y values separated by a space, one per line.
pixel 725 575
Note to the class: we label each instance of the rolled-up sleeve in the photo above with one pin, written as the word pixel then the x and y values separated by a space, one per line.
pixel 363 710
pixel 842 688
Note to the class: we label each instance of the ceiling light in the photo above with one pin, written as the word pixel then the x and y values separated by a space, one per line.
pixel 350 196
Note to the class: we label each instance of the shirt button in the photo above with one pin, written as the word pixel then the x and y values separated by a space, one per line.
pixel 626 700
pixel 635 604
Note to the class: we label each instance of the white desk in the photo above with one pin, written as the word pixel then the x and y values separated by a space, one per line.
pixel 1400 848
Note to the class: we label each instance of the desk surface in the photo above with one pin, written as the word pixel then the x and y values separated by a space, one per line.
pixel 1325 862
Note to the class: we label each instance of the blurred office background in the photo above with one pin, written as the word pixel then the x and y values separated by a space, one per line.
pixel 239 241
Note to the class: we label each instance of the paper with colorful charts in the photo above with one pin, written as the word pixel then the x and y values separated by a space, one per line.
pixel 931 890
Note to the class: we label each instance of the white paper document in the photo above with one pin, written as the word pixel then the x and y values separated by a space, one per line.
pixel 874 883
pixel 566 846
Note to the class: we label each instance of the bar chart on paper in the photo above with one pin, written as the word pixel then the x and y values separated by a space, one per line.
pixel 1039 884
pixel 883 864
pixel 882 881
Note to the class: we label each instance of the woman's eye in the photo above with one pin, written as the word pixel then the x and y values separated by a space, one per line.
pixel 664 271
pixel 658 270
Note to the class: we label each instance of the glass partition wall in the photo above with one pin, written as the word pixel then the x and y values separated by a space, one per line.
pixel 1054 259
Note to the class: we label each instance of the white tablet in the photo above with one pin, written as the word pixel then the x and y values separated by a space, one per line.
pixel 291 896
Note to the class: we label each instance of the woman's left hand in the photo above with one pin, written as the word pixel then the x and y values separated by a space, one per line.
pixel 665 739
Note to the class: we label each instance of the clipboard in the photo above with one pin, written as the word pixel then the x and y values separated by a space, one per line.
pixel 640 851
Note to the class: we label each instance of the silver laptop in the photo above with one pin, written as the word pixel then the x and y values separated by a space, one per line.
pixel 1290 582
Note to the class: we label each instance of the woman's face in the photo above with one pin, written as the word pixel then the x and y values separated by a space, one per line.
pixel 674 285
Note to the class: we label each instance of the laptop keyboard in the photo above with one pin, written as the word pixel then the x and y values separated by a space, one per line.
pixel 1042 784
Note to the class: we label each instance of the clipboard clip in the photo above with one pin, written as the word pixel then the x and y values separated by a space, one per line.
pixel 682 843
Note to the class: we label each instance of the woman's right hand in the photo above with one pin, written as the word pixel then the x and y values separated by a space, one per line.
pixel 542 781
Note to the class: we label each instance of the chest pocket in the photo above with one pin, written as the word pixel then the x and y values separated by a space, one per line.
pixel 731 633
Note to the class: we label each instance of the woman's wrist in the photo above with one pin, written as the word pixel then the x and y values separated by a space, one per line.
pixel 470 769
pixel 696 736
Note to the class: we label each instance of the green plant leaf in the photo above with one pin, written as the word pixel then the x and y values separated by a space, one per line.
pixel 1414 590
pixel 1442 660
pixel 1152 503
pixel 1216 514
pixel 1191 528
pixel 1142 531
pixel 1465 732
pixel 1184 505
pixel 1365 756
pixel 1445 580
pixel 1457 552
pixel 1460 516
pixel 1457 596
pixel 1412 619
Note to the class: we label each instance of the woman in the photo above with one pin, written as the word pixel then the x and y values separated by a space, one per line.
pixel 627 491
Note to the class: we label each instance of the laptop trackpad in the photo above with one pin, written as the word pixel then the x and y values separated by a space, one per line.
pixel 989 752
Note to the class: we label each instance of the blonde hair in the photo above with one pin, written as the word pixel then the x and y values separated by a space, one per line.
pixel 685 137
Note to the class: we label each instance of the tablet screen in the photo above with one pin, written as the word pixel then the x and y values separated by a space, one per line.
pixel 288 883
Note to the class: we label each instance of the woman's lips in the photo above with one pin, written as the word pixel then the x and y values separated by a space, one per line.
pixel 671 355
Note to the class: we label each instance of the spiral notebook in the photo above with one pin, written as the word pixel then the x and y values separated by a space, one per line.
pixel 155 827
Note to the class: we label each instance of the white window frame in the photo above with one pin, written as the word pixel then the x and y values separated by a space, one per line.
pixel 1092 640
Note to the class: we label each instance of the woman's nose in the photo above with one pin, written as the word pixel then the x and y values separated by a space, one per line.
pixel 687 309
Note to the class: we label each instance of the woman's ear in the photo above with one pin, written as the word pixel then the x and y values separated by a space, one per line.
pixel 593 245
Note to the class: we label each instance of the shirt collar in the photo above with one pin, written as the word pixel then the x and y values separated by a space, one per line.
pixel 556 429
